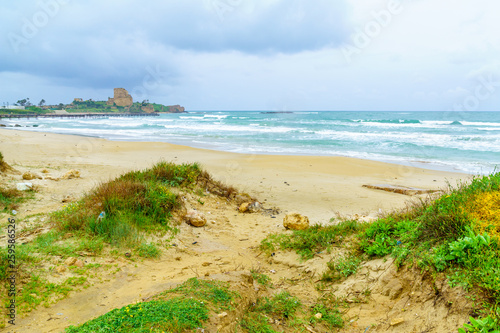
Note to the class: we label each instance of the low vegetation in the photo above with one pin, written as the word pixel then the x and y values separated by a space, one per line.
pixel 455 236
pixel 125 215
pixel 141 201
pixel 180 309
pixel 32 110
pixel 102 107
pixel 10 197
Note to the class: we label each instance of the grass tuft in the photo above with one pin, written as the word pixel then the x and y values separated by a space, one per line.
pixel 173 315
pixel 180 309
pixel 311 241
pixel 455 236
pixel 140 201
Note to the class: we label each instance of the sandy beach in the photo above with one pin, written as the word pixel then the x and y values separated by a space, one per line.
pixel 227 248
pixel 318 187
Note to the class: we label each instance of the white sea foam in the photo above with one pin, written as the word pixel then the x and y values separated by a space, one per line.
pixel 471 143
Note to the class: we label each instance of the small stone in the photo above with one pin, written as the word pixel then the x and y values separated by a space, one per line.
pixel 45 171
pixel 222 315
pixel 205 264
pixel 195 218
pixel 70 261
pixel 244 207
pixel 71 174
pixel 30 176
pixel 60 269
pixel 296 221
pixel 250 207
pixel 79 263
pixel 318 315
pixel 397 321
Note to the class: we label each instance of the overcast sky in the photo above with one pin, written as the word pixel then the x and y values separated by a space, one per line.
pixel 255 54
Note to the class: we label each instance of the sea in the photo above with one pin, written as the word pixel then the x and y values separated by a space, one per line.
pixel 453 141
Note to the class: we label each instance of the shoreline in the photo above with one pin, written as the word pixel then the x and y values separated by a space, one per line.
pixel 428 165
pixel 317 186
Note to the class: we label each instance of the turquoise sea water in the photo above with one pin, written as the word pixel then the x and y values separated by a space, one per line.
pixel 458 141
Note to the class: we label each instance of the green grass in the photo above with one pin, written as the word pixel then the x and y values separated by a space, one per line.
pixel 10 198
pixel 175 315
pixel 255 322
pixel 136 206
pixel 148 250
pixel 54 244
pixel 309 242
pixel 136 202
pixel 215 293
pixel 341 268
pixel 282 307
pixel 180 309
pixel 261 279
pixel 443 236
pixel 32 110
pixel 331 317
pixel 456 236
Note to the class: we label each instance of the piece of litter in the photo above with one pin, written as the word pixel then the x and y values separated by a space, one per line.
pixel 14 212
pixel 272 271
pixel 24 186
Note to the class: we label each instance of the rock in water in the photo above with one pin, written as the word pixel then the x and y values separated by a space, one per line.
pixel 195 218
pixel 296 221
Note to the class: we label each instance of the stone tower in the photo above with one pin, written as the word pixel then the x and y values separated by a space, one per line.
pixel 122 97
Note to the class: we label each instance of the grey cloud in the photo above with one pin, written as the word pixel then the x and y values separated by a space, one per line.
pixel 106 43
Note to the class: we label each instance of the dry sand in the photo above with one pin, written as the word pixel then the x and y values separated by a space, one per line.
pixel 319 187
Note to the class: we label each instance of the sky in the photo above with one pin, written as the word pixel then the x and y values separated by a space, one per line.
pixel 278 55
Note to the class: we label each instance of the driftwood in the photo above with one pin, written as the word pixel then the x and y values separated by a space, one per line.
pixel 400 189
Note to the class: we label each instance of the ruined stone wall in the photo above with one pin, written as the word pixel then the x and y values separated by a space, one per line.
pixel 122 97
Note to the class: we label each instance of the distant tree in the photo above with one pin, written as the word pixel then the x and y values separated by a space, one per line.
pixel 28 103
pixel 60 107
pixel 42 103
pixel 22 102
